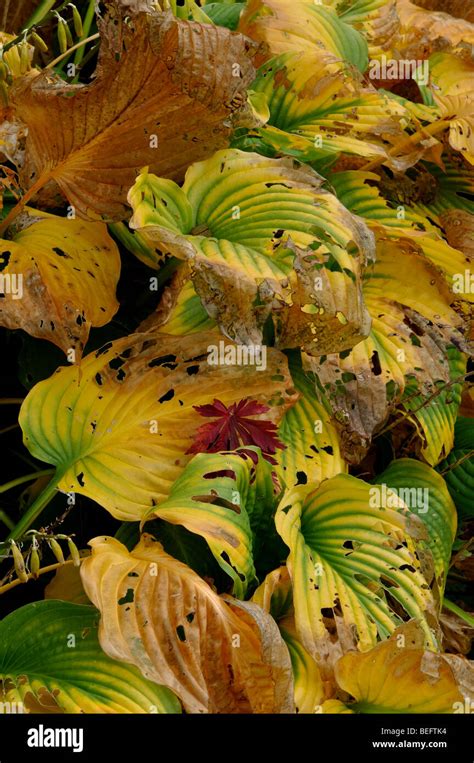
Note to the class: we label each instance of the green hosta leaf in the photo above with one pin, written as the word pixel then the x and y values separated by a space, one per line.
pixel 228 500
pixel 223 14
pixel 458 468
pixel 352 558
pixel 425 494
pixel 61 665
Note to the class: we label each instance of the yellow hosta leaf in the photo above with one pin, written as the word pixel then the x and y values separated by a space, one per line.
pixel 125 415
pixel 92 139
pixel 228 499
pixel 352 555
pixel 261 238
pixel 66 585
pixel 274 595
pixel 326 108
pixel 425 493
pixel 217 654
pixel 309 687
pixel 399 676
pixel 400 218
pixel 59 278
pixel 452 86
pixel 296 25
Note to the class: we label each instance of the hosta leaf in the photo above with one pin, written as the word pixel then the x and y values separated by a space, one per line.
pixel 399 676
pixel 232 221
pixel 425 494
pixel 452 86
pixel 413 329
pixel 69 271
pixel 218 655
pixel 66 585
pixel 125 415
pixel 401 218
pixel 309 688
pixel 313 449
pixel 228 499
pixel 296 25
pixel 224 14
pixel 325 108
pixel 426 30
pixel 435 417
pixel 91 139
pixel 458 468
pixel 275 596
pixel 376 19
pixel 354 558
pixel 62 668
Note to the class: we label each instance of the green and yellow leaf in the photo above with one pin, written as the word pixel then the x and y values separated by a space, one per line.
pixel 61 667
pixel 353 559
pixel 125 416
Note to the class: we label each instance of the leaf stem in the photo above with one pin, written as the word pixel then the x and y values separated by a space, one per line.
pixel 35 509
pixel 23 201
pixel 6 520
pixel 24 478
pixel 69 50
pixel 11 400
pixel 49 568
pixel 429 131
pixel 451 607
pixel 86 26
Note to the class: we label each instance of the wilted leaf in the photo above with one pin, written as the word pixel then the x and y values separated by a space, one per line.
pixel 91 139
pixel 65 273
pixel 218 655
pixel 244 265
pixel 318 107
pixel 125 415
pixel 399 676
pixel 430 28
pixel 61 667
pixel 413 329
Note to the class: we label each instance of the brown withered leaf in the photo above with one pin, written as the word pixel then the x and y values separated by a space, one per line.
pixel 217 654
pixel 15 13
pixel 459 228
pixel 163 96
pixel 413 324
pixel 427 29
pixel 457 634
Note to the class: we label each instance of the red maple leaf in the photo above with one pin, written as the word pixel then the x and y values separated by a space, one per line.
pixel 233 429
